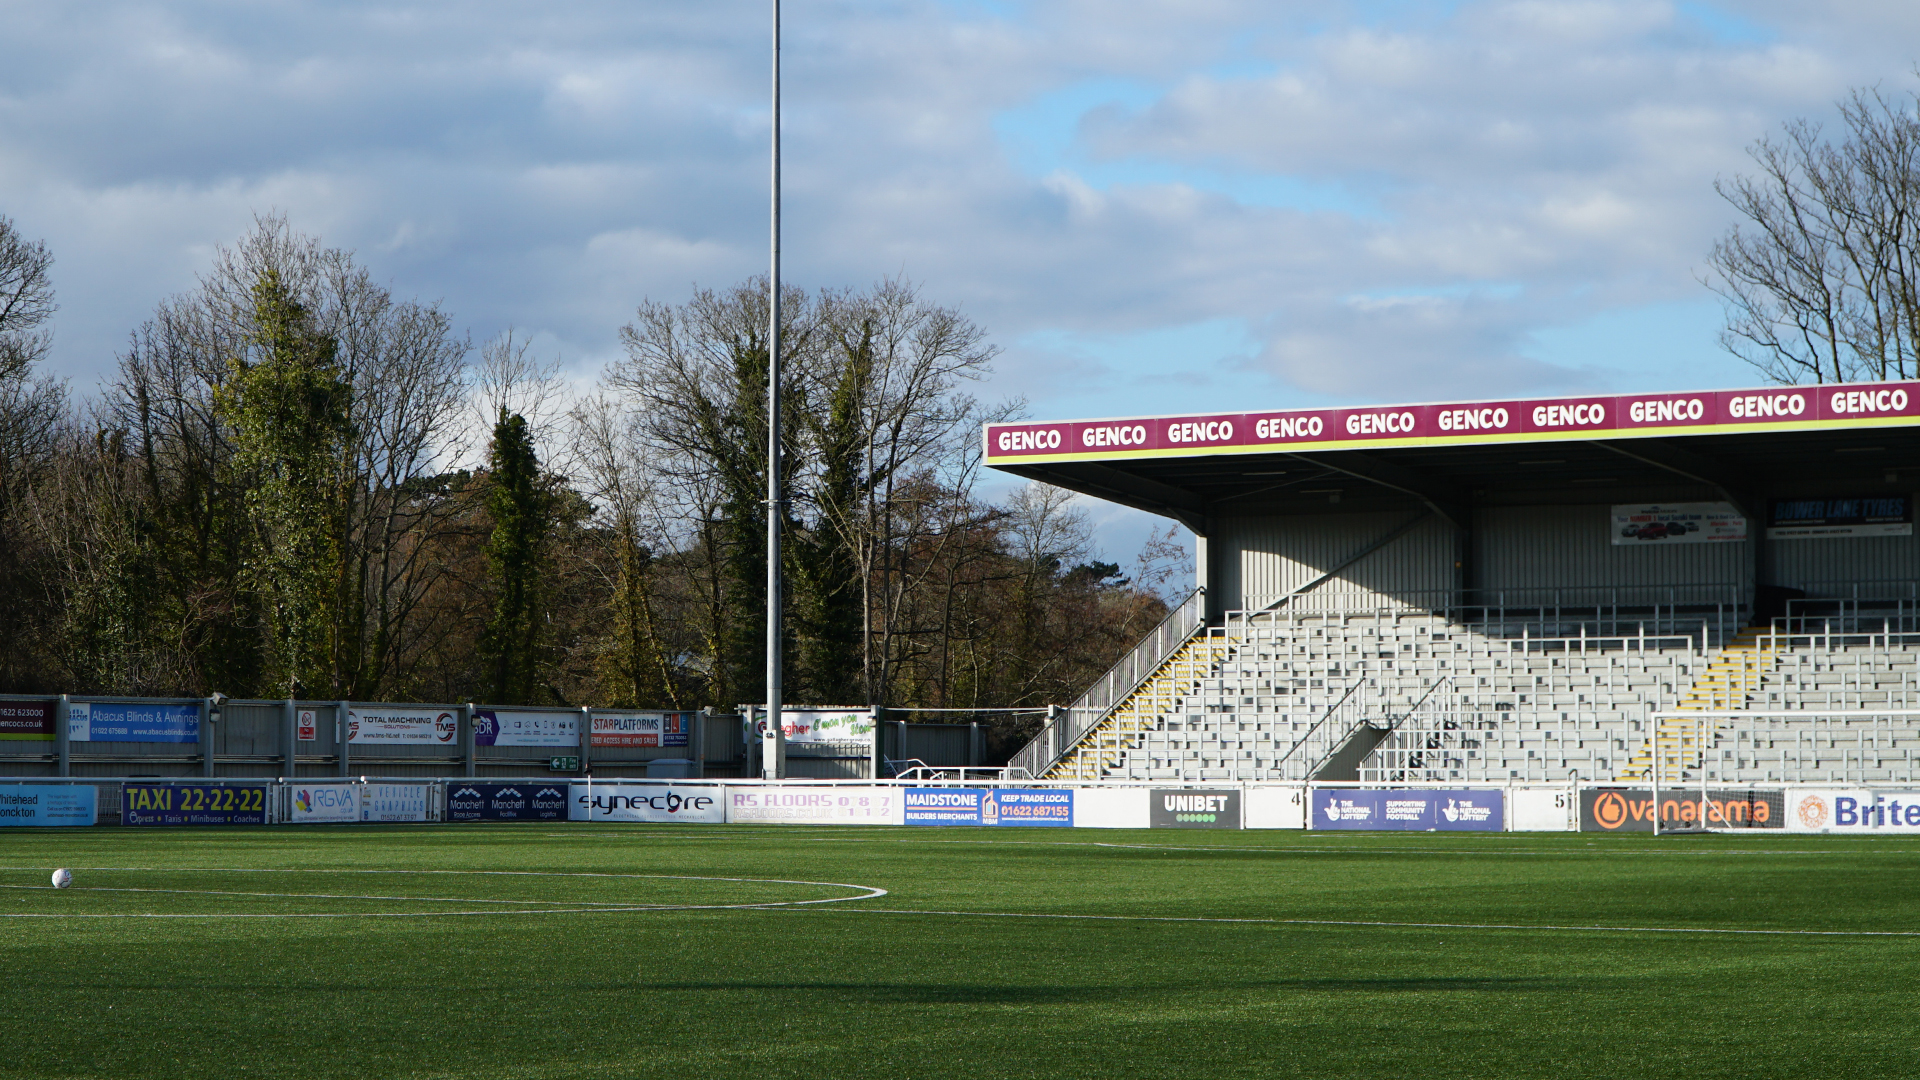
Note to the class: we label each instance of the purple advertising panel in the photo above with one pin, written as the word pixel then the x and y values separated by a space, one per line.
pixel 28 721
pixel 1779 408
pixel 1412 809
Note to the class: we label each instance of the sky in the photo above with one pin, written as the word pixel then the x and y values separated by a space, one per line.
pixel 1152 207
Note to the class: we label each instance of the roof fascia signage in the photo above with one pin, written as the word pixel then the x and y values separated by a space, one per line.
pixel 1716 412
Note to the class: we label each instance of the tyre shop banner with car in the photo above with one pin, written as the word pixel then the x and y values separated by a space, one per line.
pixel 648 802
pixel 1677 523
pixel 404 727
pixel 1410 809
pixel 1777 408
pixel 1627 809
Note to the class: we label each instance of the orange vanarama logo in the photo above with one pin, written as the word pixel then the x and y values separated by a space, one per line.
pixel 1610 810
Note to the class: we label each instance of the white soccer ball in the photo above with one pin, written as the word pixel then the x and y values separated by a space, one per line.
pixel 62 878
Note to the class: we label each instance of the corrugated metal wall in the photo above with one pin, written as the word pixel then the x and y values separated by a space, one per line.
pixel 1568 547
pixel 1821 563
pixel 1260 559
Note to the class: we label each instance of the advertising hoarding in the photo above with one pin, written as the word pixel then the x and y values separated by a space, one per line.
pixel 27 721
pixel 192 804
pixel 469 801
pixel 1194 809
pixel 851 724
pixel 1677 523
pixel 132 721
pixel 1613 809
pixel 615 728
pixel 1853 810
pixel 403 727
pixel 493 727
pixel 42 805
pixel 1822 519
pixel 816 806
pixel 1412 809
pixel 1777 408
pixel 705 805
pixel 394 802
pixel 317 803
pixel 985 806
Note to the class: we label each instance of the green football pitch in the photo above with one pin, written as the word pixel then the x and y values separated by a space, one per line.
pixel 617 951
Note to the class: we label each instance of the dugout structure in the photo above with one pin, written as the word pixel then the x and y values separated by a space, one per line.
pixel 1514 590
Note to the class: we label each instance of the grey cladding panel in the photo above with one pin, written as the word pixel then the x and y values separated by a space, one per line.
pixel 1571 547
pixel 1261 559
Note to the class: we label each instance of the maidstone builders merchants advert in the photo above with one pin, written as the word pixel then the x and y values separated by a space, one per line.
pixel 1004 806
pixel 1631 809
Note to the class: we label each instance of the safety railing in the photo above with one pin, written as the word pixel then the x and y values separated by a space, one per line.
pixel 1069 725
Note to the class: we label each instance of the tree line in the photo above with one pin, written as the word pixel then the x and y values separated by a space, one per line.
pixel 297 484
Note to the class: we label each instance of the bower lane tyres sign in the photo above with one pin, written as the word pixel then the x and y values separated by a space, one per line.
pixel 1632 809
pixel 1777 408
pixel 42 805
pixel 193 804
pixel 648 802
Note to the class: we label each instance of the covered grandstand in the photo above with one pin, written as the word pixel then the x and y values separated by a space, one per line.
pixel 1513 591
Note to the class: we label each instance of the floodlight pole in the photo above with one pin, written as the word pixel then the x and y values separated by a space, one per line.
pixel 773 761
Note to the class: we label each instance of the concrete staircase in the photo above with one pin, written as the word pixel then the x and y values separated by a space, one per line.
pixel 1176 681
pixel 1728 683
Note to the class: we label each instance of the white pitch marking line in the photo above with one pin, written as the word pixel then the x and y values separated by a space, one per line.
pixel 1393 925
pixel 866 892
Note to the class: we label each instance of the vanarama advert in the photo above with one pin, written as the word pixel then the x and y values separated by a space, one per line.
pixel 1632 809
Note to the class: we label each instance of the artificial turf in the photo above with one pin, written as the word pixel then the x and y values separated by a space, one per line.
pixel 592 976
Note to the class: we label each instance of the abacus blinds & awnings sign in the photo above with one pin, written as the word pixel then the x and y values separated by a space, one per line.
pixel 1719 412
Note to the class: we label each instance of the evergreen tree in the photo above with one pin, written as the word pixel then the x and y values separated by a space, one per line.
pixel 522 512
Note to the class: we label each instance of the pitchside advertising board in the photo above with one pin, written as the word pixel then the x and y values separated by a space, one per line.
pixel 42 805
pixel 1627 809
pixel 648 802
pixel 193 804
pixel 1410 809
pixel 1853 810
pixel 1194 809
pixel 977 806
pixel 816 806
pixel 1459 423
pixel 468 801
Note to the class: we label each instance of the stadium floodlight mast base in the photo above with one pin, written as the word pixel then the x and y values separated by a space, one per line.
pixel 773 758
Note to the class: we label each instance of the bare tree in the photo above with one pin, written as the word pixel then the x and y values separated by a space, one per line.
pixel 1822 281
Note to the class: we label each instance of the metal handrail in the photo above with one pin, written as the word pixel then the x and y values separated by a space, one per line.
pixel 1060 735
